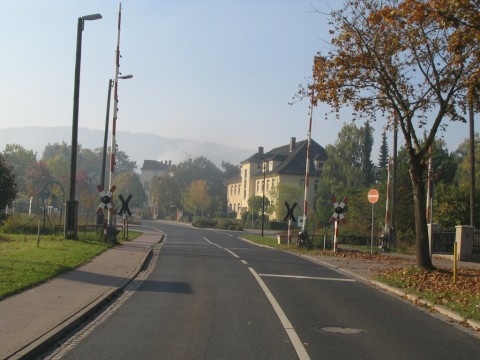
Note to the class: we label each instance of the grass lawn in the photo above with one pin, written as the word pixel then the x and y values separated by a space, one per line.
pixel 24 264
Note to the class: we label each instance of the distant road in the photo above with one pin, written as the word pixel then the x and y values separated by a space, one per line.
pixel 211 295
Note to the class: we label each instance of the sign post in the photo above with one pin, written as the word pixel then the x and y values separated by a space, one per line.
pixel 125 210
pixel 289 217
pixel 338 216
pixel 372 198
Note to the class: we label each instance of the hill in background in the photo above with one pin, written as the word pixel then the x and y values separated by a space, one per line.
pixel 138 146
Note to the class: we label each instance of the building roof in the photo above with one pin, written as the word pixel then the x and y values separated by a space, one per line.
pixel 154 165
pixel 234 180
pixel 290 159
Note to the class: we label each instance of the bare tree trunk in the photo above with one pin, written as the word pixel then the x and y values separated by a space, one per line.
pixel 421 230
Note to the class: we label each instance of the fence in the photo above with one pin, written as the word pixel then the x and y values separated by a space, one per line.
pixel 59 229
pixel 321 241
pixel 476 242
pixel 443 240
pixel 84 229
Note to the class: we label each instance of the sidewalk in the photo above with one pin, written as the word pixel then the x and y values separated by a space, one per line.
pixel 34 319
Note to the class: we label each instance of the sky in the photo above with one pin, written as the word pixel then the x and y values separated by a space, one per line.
pixel 222 71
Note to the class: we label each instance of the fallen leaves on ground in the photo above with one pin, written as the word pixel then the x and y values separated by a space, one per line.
pixel 438 283
pixel 437 286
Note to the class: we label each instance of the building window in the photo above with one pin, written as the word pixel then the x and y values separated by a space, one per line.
pixel 268 184
pixel 270 166
pixel 258 187
pixel 273 183
pixel 316 185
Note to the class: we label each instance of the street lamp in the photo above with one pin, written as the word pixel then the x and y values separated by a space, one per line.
pixel 105 137
pixel 264 169
pixel 71 208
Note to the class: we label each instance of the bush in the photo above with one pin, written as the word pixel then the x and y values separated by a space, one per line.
pixel 228 224
pixel 23 224
pixel 277 225
pixel 247 217
pixel 225 214
pixel 204 223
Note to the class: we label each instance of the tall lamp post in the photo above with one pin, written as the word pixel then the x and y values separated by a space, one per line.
pixel 71 208
pixel 264 170
pixel 105 137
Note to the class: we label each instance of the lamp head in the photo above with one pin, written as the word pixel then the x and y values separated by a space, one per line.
pixel 92 17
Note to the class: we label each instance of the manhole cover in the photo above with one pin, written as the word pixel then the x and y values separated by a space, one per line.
pixel 340 330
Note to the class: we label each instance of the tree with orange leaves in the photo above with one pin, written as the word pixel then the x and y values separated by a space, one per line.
pixel 400 61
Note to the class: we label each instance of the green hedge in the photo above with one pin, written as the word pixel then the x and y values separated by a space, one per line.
pixel 229 224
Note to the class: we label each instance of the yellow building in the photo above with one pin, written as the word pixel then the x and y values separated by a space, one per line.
pixel 285 164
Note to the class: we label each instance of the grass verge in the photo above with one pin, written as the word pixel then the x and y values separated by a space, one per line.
pixel 438 287
pixel 24 262
pixel 267 241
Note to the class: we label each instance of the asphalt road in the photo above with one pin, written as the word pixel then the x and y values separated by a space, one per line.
pixel 211 295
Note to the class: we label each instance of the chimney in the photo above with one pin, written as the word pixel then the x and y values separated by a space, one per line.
pixel 292 144
pixel 260 150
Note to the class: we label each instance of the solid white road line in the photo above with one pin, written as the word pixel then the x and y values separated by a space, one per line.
pixel 306 277
pixel 297 344
pixel 221 247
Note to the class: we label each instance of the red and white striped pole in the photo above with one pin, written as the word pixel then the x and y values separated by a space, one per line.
pixel 335 237
pixel 307 173
pixel 115 102
pixel 113 149
pixel 307 163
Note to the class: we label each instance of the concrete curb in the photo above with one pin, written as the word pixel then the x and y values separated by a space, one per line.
pixel 46 341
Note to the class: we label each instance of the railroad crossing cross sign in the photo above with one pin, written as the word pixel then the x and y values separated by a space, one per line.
pixel 125 207
pixel 290 215
pixel 106 199
pixel 340 210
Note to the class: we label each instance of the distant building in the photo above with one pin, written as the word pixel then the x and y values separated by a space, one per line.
pixel 285 164
pixel 149 170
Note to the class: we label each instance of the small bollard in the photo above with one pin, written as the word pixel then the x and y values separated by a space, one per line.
pixel 455 262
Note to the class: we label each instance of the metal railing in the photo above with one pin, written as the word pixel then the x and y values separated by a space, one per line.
pixel 476 242
pixel 443 240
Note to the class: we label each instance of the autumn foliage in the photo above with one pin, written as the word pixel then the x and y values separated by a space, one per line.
pixel 412 64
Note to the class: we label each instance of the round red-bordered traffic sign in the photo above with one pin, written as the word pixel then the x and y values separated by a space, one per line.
pixel 373 196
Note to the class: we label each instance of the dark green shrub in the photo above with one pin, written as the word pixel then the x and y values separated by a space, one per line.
pixel 229 224
pixel 277 225
pixel 204 223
